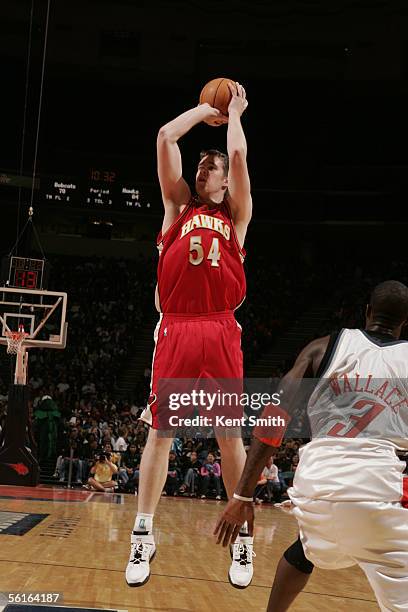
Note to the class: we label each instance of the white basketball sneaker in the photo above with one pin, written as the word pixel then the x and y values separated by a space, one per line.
pixel 242 569
pixel 142 551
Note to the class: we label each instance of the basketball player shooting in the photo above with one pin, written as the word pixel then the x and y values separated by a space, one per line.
pixel 349 494
pixel 201 282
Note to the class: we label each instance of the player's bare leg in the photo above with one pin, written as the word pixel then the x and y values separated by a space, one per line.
pixel 153 474
pixel 153 471
pixel 233 461
pixel 287 585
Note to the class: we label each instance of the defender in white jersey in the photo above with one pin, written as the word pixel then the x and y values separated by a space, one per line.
pixel 349 494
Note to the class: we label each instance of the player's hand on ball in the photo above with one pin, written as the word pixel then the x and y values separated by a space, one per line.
pixel 239 101
pixel 231 520
pixel 214 117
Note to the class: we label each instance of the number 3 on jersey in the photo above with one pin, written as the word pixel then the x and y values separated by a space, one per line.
pixel 196 254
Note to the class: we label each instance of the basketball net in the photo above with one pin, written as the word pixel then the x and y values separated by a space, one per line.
pixel 15 340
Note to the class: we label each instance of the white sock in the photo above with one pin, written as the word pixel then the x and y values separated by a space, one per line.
pixel 244 529
pixel 243 532
pixel 143 522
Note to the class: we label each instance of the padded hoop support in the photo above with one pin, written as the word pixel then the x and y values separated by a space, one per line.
pixel 15 347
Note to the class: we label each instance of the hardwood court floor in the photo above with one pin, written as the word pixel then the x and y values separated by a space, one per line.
pixel 82 548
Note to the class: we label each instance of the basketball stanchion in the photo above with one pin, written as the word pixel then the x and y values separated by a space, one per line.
pixel 29 318
pixel 15 347
pixel 18 464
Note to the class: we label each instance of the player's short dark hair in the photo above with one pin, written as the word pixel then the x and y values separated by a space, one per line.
pixel 389 302
pixel 216 153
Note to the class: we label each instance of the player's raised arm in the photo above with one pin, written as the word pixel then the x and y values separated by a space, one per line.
pixel 239 186
pixel 175 191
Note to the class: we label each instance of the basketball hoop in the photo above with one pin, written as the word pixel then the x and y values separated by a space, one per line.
pixel 14 341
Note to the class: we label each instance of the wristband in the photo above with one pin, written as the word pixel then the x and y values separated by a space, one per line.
pixel 272 435
pixel 244 499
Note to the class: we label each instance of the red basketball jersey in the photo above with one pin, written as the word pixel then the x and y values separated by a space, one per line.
pixel 200 268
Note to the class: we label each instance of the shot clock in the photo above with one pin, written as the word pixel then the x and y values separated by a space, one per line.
pixel 24 273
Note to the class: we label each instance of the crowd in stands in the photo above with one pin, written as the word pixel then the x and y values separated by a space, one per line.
pixel 194 467
pixel 107 302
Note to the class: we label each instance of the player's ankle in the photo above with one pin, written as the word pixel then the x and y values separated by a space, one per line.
pixel 143 523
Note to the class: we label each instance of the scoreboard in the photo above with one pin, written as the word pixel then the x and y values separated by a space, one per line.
pixel 61 191
pixel 130 197
pixel 100 189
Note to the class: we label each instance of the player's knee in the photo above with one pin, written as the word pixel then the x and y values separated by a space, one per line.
pixel 230 444
pixel 158 439
pixel 295 556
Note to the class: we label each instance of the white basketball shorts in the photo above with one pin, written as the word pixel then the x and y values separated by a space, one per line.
pixel 373 535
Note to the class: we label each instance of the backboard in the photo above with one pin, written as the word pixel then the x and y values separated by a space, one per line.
pixel 41 314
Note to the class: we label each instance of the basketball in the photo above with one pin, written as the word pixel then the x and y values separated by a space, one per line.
pixel 217 94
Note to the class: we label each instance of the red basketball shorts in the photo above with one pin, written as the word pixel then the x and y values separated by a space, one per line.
pixel 194 352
